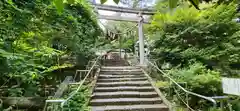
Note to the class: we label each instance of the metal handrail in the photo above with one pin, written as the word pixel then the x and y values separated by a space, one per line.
pixel 63 101
pixel 80 85
pixel 186 91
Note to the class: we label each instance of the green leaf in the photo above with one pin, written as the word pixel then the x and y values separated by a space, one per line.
pixel 59 5
pixel 195 3
pixel 103 1
pixel 173 3
pixel 71 1
pixel 10 2
pixel 116 1
pixel 53 68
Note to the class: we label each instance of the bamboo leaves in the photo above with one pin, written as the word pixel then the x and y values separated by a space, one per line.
pixel 59 5
pixel 38 42
pixel 71 1
pixel 173 3
pixel 195 3
pixel 116 1
pixel 104 1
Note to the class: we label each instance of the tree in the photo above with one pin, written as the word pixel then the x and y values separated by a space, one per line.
pixel 200 46
pixel 174 3
pixel 34 38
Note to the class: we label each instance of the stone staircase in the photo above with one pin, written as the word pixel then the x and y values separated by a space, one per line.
pixel 125 88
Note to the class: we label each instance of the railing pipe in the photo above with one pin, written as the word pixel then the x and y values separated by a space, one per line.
pixel 63 101
pixel 80 85
pixel 189 92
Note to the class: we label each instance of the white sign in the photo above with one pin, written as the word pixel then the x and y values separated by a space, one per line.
pixel 231 86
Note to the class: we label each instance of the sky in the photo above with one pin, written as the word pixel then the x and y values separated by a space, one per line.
pixel 109 2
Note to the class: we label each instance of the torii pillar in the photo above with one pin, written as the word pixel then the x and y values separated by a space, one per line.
pixel 141 40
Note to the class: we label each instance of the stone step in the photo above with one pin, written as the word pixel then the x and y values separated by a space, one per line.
pixel 125 101
pixel 124 88
pixel 101 76
pixel 119 68
pixel 121 73
pixel 115 63
pixel 141 107
pixel 124 94
pixel 122 79
pixel 128 83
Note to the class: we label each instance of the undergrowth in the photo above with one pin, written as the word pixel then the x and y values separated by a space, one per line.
pixel 80 101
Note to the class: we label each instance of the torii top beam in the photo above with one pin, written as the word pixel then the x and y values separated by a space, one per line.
pixel 125 9
pixel 120 18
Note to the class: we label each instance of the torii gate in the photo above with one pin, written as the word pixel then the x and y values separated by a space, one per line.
pixel 140 20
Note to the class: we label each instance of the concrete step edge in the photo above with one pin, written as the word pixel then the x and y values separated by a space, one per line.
pixel 125 101
pixel 125 73
pixel 120 76
pixel 124 94
pixel 141 107
pixel 124 87
pixel 122 70
pixel 122 79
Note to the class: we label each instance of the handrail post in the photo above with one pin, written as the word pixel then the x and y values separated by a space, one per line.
pixel 186 86
pixel 169 90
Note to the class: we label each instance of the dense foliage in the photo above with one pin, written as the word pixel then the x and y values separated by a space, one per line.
pixel 34 39
pixel 171 3
pixel 80 101
pixel 198 46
